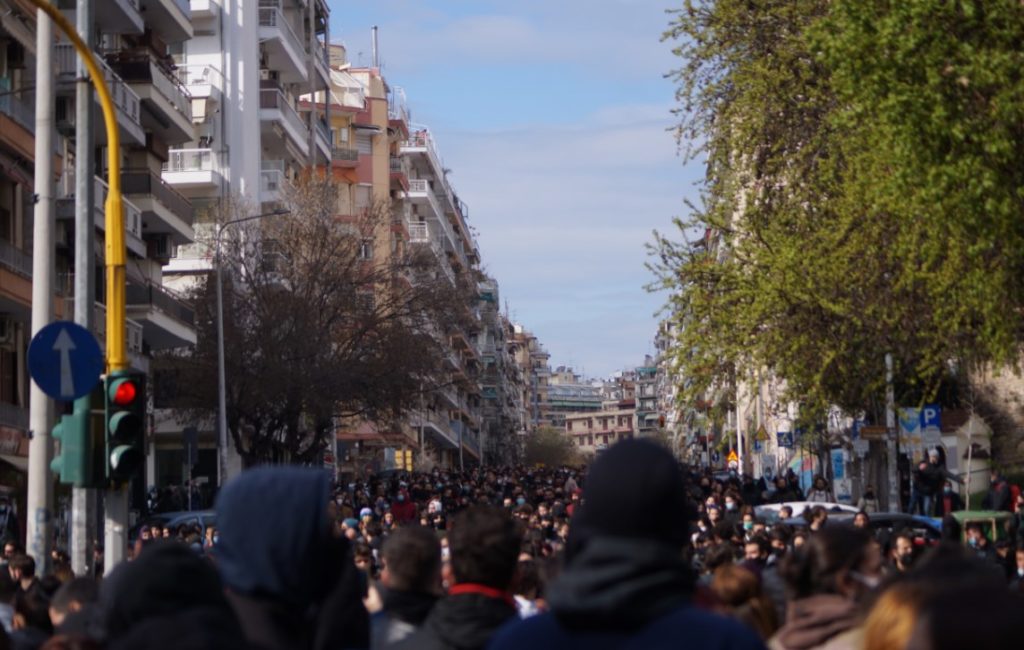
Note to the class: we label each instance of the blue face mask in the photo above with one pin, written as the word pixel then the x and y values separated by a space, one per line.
pixel 748 525
pixel 973 541
pixel 521 501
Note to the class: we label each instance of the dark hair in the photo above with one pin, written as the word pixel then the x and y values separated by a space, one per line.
pixel 412 556
pixel 34 607
pixel 484 543
pixel 79 590
pixel 719 556
pixel 763 545
pixel 25 564
pixel 813 567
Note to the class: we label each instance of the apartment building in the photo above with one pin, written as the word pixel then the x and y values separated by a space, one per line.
pixel 502 382
pixel 569 393
pixel 594 432
pixel 534 361
pixel 241 75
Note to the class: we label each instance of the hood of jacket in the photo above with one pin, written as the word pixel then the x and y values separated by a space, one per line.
pixel 812 621
pixel 619 583
pixel 275 539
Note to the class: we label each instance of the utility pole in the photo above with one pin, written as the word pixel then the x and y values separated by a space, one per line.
pixel 891 448
pixel 40 485
pixel 83 500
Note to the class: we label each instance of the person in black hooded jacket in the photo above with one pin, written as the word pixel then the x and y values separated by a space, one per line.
pixel 484 543
pixel 290 579
pixel 626 583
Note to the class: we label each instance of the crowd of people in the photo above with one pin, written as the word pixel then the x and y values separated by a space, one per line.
pixel 633 552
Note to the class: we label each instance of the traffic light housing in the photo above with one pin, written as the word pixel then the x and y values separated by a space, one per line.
pixel 124 394
pixel 74 465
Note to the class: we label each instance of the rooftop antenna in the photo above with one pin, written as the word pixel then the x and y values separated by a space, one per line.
pixel 376 51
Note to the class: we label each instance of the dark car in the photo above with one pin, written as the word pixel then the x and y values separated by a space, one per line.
pixel 202 518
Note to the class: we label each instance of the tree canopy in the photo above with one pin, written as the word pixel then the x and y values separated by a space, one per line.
pixel 863 194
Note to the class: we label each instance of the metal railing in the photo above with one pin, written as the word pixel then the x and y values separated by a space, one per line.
pixel 399 165
pixel 146 182
pixel 124 98
pixel 271 176
pixel 147 69
pixel 272 16
pixel 132 214
pixel 162 299
pixel 190 160
pixel 19 110
pixel 16 260
pixel 323 131
pixel 418 232
pixel 397 105
pixel 345 154
pixel 201 74
pixel 274 98
pixel 14 416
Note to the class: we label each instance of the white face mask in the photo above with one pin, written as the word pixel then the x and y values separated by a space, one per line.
pixel 870 582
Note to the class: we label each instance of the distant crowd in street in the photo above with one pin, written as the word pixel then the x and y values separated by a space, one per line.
pixel 634 551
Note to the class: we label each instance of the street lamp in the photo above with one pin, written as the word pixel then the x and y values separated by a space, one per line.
pixel 222 410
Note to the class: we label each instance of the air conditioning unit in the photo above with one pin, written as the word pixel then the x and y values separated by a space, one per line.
pixel 6 329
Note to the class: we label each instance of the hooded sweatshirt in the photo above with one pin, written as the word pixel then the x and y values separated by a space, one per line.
pixel 625 583
pixel 281 563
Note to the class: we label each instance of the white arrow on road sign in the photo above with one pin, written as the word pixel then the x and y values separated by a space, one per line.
pixel 64 345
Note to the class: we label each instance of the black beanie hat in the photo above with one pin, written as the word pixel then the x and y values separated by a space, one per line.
pixel 635 489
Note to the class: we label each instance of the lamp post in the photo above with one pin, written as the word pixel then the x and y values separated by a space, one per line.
pixel 222 411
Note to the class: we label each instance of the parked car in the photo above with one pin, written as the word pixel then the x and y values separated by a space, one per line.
pixel 769 512
pixel 925 530
pixel 203 518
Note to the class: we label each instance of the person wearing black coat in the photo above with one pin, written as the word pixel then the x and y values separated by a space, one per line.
pixel 484 543
pixel 626 583
pixel 290 579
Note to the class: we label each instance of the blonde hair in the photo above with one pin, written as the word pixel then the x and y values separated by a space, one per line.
pixel 893 617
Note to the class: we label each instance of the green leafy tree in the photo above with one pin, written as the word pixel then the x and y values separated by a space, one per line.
pixel 550 447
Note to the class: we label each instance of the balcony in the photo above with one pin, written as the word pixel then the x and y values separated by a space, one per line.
pixel 322 61
pixel 16 260
pixel 132 215
pixel 271 181
pixel 344 157
pixel 419 233
pixel 278 114
pixel 167 321
pixel 22 111
pixel 188 170
pixel 164 210
pixel 282 46
pixel 171 20
pixel 437 427
pixel 200 81
pixel 398 111
pixel 168 103
pixel 134 331
pixel 126 100
pixel 204 8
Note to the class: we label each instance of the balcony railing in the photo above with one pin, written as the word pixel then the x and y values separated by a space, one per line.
pixel 271 176
pixel 146 69
pixel 398 165
pixel 344 154
pixel 124 98
pixel 146 182
pixel 323 131
pixel 272 16
pixel 162 299
pixel 18 110
pixel 197 76
pixel 274 98
pixel 13 416
pixel 190 160
pixel 418 232
pixel 16 260
pixel 397 106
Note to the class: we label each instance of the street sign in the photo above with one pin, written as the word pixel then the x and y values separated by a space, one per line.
pixel 874 432
pixel 861 447
pixel 785 439
pixel 733 457
pixel 65 360
pixel 758 446
pixel 761 435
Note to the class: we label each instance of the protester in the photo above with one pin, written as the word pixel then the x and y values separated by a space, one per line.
pixel 484 544
pixel 740 590
pixel 625 583
pixel 290 580
pixel 827 577
pixel 411 582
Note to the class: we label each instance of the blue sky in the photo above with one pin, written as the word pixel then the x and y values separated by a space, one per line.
pixel 553 116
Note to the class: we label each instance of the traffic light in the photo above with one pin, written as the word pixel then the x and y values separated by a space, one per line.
pixel 74 464
pixel 125 421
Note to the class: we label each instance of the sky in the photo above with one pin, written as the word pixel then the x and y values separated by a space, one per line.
pixel 554 117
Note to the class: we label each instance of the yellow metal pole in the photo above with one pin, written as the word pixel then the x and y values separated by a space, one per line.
pixel 117 355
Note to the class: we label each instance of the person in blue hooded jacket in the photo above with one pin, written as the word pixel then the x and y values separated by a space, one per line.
pixel 288 576
pixel 625 582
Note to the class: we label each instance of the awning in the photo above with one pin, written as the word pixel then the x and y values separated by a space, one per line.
pixel 19 462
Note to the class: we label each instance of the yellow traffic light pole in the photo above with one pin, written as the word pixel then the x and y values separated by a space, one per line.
pixel 117 354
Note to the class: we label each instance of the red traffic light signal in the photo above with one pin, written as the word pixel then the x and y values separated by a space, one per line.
pixel 124 392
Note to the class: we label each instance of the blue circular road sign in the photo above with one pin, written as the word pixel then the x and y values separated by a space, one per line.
pixel 65 360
